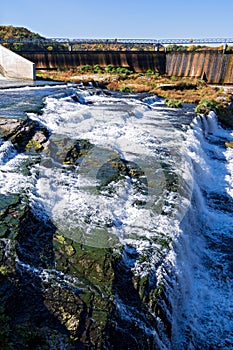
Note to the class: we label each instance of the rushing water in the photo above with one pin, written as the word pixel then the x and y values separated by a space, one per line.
pixel 155 180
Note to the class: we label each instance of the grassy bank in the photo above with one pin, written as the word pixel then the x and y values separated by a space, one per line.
pixel 175 91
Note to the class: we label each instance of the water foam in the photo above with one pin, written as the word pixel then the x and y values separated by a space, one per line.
pixel 119 128
pixel 192 258
pixel 201 292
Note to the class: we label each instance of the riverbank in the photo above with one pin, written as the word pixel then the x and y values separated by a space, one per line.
pixel 187 90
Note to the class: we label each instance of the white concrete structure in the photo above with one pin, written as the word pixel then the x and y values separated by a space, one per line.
pixel 13 65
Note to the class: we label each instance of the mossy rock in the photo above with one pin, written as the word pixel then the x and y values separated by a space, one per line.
pixel 36 144
pixel 87 263
pixel 79 150
pixel 229 144
pixel 12 211
pixel 24 134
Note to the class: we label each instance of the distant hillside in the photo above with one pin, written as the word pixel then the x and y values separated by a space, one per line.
pixel 7 32
pixel 11 32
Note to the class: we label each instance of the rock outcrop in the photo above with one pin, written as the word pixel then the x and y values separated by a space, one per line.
pixel 59 294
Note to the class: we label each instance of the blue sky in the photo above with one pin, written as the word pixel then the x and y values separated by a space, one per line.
pixel 121 18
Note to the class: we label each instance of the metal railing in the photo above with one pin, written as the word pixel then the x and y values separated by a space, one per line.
pixel 50 41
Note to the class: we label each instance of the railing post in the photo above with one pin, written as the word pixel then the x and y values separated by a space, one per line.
pixel 224 47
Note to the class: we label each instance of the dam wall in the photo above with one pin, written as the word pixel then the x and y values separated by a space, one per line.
pixel 215 67
pixel 15 66
pixel 137 61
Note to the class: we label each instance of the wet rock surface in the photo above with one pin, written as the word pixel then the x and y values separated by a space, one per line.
pixel 59 294
pixel 25 135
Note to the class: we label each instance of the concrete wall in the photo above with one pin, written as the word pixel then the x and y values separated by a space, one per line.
pixel 137 61
pixel 13 65
pixel 216 66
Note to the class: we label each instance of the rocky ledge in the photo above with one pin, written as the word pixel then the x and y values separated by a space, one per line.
pixel 59 294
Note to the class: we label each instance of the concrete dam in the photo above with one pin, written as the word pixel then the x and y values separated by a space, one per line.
pixel 137 61
pixel 214 66
pixel 15 66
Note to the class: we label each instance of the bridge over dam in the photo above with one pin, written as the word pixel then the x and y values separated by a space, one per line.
pixel 216 66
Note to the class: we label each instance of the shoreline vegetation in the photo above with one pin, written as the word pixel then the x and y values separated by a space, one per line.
pixel 175 90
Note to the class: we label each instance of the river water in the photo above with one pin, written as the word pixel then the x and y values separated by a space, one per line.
pixel 154 180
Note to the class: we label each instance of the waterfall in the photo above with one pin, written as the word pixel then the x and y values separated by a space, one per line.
pixel 200 288
pixel 129 205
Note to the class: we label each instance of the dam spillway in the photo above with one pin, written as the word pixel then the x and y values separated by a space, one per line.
pixel 216 66
pixel 138 61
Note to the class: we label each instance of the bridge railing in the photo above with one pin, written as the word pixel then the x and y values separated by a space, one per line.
pixel 68 41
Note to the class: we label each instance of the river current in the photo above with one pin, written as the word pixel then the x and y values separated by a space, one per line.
pixel 154 180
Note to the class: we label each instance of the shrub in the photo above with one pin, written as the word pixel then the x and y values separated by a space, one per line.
pixel 123 70
pixel 205 106
pixel 173 78
pixel 201 83
pixel 109 68
pixel 86 68
pixel 172 103
pixel 192 48
pixel 149 72
pixel 125 89
pixel 17 46
pixel 97 68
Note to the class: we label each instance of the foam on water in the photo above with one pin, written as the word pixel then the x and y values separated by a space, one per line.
pixel 12 180
pixel 7 152
pixel 185 246
pixel 201 292
pixel 124 128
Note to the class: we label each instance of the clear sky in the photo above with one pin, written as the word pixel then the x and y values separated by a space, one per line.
pixel 121 18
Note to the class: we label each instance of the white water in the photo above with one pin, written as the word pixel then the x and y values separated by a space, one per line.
pixel 201 292
pixel 188 246
pixel 125 128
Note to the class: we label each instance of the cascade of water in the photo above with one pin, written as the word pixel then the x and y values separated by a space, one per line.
pixel 200 292
pixel 132 187
pixel 7 152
